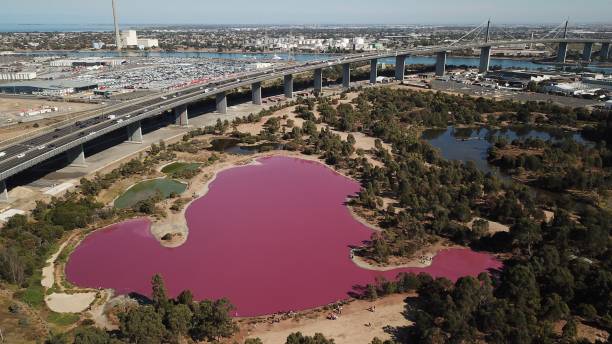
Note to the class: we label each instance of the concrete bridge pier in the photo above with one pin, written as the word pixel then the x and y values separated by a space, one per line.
pixel 400 67
pixel 346 75
pixel 221 101
pixel 256 93
pixel 181 116
pixel 485 59
pixel 318 80
pixel 288 84
pixel 134 131
pixel 587 51
pixel 4 197
pixel 562 52
pixel 373 71
pixel 441 63
pixel 605 51
pixel 76 156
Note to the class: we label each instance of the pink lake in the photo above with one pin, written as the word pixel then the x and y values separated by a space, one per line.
pixel 270 237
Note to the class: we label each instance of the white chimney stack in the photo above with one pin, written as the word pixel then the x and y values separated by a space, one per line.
pixel 117 34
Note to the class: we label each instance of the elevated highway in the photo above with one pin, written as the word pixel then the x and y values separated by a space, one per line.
pixel 69 139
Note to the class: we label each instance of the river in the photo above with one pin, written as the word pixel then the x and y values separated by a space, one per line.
pixel 426 60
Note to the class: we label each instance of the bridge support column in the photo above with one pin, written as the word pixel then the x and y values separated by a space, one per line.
pixel 288 85
pixel 3 191
pixel 221 101
pixel 256 93
pixel 562 52
pixel 134 131
pixel 318 80
pixel 441 63
pixel 373 71
pixel 346 75
pixel 181 116
pixel 400 67
pixel 485 59
pixel 587 51
pixel 76 156
pixel 605 51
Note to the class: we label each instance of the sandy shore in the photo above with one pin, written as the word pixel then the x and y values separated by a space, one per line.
pixel 69 303
pixel 421 259
pixel 350 328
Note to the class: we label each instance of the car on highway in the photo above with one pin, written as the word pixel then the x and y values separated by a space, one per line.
pixel 41 147
pixel 2 154
pixel 22 155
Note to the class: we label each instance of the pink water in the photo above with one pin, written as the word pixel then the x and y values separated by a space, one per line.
pixel 270 237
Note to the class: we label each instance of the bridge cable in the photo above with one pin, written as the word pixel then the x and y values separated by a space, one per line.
pixel 554 30
pixel 467 34
pixel 504 31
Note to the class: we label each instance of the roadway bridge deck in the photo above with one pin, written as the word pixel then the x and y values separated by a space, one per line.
pixel 69 139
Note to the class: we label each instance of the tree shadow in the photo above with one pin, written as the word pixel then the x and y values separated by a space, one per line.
pixel 357 292
pixel 141 299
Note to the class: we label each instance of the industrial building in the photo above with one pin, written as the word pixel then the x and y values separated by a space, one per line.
pixel 11 76
pixel 97 45
pixel 147 43
pixel 129 39
pixel 48 87
pixel 86 62
pixel 571 89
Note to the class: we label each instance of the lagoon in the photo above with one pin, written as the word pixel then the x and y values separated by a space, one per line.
pixel 271 236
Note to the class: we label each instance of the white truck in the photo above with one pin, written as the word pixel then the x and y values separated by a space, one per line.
pixel 111 116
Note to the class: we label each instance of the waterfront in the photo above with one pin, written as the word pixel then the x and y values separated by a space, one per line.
pixel 265 256
pixel 504 63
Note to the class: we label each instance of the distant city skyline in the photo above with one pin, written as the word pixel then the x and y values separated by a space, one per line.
pixel 188 12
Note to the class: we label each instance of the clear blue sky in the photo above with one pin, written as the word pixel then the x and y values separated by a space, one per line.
pixel 304 11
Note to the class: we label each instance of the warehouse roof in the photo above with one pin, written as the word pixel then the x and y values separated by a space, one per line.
pixel 51 84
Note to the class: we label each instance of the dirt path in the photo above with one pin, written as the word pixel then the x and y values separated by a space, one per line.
pixel 350 328
pixel 48 272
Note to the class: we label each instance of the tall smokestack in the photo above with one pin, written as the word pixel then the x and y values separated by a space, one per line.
pixel 117 34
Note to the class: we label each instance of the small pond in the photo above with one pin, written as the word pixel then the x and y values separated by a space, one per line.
pixel 147 189
pixel 467 144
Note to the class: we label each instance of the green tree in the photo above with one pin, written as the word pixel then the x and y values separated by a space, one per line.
pixel 159 295
pixel 142 325
pixel 211 320
pixel 57 338
pixel 90 335
pixel 253 341
pixel 299 338
pixel 178 320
